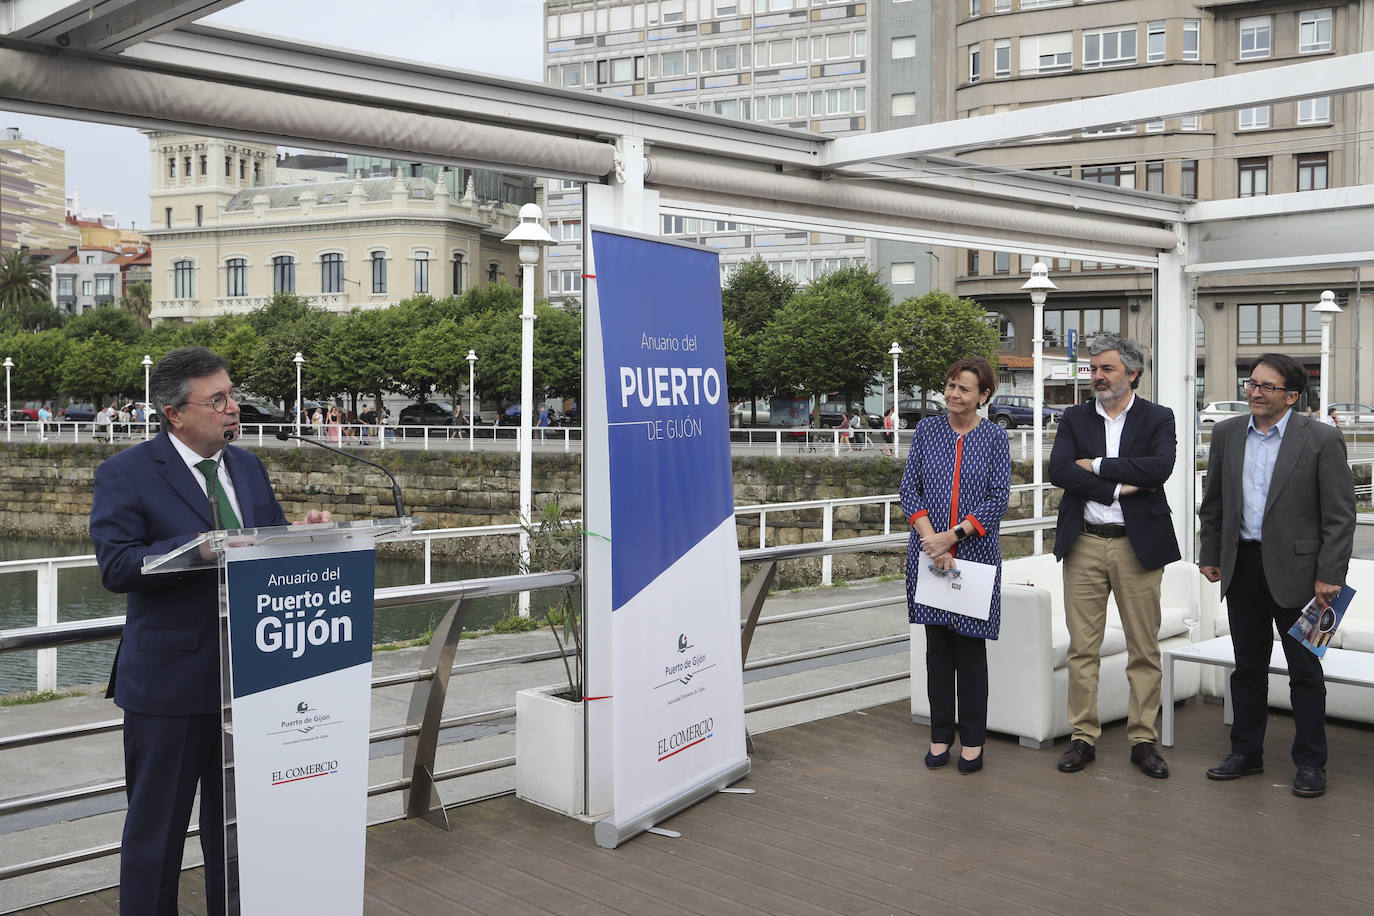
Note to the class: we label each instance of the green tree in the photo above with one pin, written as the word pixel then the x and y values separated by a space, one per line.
pixel 753 295
pixel 828 337
pixel 110 320
pixel 138 302
pixel 496 338
pixel 557 351
pixel 361 350
pixel 96 368
pixel 21 281
pixel 38 358
pixel 934 330
pixel 286 326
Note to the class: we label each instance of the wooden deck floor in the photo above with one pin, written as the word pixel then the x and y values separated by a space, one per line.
pixel 847 820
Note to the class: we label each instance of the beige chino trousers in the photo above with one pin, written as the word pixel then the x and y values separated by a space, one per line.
pixel 1094 568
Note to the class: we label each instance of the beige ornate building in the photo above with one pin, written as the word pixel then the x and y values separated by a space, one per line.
pixel 226 237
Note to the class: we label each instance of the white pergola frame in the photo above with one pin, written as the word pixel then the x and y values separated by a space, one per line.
pixel 147 64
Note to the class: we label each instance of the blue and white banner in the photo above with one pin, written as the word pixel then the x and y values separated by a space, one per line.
pixel 673 669
pixel 300 642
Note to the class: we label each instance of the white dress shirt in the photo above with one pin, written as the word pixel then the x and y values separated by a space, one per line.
pixel 1095 513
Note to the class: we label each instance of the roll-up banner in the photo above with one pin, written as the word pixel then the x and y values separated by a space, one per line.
pixel 300 656
pixel 676 726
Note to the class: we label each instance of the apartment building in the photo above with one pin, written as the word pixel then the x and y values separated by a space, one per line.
pixel 33 194
pixel 802 64
pixel 1008 54
pixel 227 237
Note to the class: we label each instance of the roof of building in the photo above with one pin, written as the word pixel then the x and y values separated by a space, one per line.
pixel 329 192
pixel 1015 362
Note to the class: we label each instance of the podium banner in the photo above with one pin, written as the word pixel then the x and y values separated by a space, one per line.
pixel 300 658
pixel 677 718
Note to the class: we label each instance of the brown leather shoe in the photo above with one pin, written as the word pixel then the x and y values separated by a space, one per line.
pixel 1146 756
pixel 1079 755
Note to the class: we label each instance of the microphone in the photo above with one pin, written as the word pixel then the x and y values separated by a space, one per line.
pixel 283 435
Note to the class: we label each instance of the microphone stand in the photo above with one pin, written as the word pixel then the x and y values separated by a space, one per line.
pixel 283 435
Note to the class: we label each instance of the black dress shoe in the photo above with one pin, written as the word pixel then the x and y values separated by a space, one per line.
pixel 970 766
pixel 1310 782
pixel 935 761
pixel 1236 766
pixel 1146 756
pixel 1079 755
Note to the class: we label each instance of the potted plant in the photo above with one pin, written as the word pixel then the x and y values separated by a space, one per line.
pixel 549 736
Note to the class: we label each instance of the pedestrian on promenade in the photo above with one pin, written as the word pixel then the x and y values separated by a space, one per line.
pixel 166 671
pixel 543 423
pixel 954 493
pixel 1332 419
pixel 1277 529
pixel 844 432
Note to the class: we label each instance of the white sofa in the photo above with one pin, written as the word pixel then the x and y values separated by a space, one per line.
pixel 1028 680
pixel 1356 633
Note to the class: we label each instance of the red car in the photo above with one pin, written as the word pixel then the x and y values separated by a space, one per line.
pixel 30 411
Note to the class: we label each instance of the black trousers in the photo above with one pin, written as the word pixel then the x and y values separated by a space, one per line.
pixel 1253 615
pixel 957 666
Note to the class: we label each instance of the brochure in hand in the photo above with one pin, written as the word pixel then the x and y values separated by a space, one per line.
pixel 1316 626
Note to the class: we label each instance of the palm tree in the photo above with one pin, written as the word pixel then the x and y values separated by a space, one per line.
pixel 22 282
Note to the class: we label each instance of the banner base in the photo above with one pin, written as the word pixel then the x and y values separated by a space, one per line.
pixel 610 834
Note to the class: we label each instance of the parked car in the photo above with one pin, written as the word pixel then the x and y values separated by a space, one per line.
pixel 77 412
pixel 252 413
pixel 426 413
pixel 1222 410
pixel 742 413
pixel 829 415
pixel 1012 410
pixel 1349 413
pixel 30 411
pixel 909 411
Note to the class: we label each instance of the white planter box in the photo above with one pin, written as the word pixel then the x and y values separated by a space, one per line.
pixel 549 751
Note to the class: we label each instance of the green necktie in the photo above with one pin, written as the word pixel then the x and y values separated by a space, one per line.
pixel 227 518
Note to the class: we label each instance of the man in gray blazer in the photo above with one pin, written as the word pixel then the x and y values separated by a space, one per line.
pixel 1278 525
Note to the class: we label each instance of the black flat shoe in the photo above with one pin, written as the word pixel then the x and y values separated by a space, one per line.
pixel 1236 766
pixel 935 761
pixel 971 766
pixel 1310 782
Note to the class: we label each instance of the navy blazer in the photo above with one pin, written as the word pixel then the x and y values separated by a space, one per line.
pixel 148 502
pixel 1149 444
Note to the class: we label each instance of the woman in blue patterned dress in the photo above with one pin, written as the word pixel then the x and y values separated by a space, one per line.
pixel 954 493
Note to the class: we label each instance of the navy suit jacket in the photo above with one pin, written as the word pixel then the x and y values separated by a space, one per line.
pixel 148 502
pixel 1146 459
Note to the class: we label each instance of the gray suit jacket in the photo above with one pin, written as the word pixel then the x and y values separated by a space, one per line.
pixel 1309 518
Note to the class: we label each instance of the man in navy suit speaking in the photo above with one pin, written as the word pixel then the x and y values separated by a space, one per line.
pixel 148 500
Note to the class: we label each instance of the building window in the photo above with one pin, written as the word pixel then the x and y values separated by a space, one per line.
pixel 973 262
pixel 975 8
pixel 102 286
pixel 1001 58
pixel 86 288
pixel 1190 122
pixel 1108 47
pixel 1314 31
pixel 283 274
pixel 236 277
pixel 1255 37
pixel 172 167
pixel 903 104
pixel 331 273
pixel 493 272
pixel 228 166
pixel 1001 262
pixel 1156 41
pixel 1252 118
pixel 167 217
pixel 243 169
pixel 204 165
pixel 1088 322
pixel 973 56
pixel 378 273
pixel 457 274
pixel 1312 170
pixel 904 47
pixel 421 272
pixel 66 286
pixel 1154 176
pixel 1277 323
pixel 200 215
pixel 1052 53
pixel 1006 331
pixel 1188 178
pixel 1192 40
pixel 184 280
pixel 903 273
pixel 1122 174
pixel 1314 111
pixel 1254 177
pixel 1154 127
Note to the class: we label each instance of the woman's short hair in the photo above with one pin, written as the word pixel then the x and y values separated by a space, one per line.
pixel 987 378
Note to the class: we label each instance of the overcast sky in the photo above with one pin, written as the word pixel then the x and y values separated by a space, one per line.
pixel 109 165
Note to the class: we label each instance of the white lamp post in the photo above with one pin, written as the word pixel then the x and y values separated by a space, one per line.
pixel 895 352
pixel 530 235
pixel 9 364
pixel 147 407
pixel 472 394
pixel 1328 309
pixel 299 361
pixel 1039 284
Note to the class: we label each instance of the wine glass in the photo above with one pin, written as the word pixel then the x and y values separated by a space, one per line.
pixel 1191 621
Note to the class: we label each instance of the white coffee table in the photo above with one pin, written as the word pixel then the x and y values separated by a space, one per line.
pixel 1339 666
